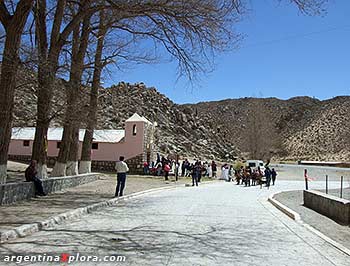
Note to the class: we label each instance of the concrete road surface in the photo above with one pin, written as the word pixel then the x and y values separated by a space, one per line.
pixel 214 224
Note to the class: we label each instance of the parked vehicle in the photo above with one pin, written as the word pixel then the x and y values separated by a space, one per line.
pixel 254 164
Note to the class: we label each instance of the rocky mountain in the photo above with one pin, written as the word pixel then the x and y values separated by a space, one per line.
pixel 178 131
pixel 298 128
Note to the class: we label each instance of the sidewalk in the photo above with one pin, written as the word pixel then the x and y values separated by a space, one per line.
pixel 335 231
pixel 38 209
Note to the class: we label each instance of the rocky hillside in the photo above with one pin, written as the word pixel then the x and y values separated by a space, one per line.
pixel 298 128
pixel 179 130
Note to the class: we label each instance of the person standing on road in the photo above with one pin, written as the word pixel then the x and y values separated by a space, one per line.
pixel 199 170
pixel 177 170
pixel 196 173
pixel 273 176
pixel 122 168
pixel 231 173
pixel 166 171
pixel 183 168
pixel 209 172
pixel 268 177
pixel 213 169
pixel 145 168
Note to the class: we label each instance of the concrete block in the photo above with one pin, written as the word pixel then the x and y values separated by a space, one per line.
pixel 333 207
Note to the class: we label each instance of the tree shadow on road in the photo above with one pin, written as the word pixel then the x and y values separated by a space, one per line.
pixel 140 243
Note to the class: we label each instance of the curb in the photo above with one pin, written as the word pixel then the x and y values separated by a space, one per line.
pixel 296 217
pixel 29 229
pixel 283 208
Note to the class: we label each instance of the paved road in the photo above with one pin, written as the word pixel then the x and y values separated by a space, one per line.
pixel 296 172
pixel 214 224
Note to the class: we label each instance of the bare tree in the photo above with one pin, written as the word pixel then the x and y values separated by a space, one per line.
pixel 85 163
pixel 310 7
pixel 13 23
pixel 48 53
pixel 70 141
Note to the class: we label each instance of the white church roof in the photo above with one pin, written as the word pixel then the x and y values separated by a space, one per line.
pixel 137 118
pixel 105 135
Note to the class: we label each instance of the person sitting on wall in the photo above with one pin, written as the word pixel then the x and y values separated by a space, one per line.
pixel 31 175
pixel 122 168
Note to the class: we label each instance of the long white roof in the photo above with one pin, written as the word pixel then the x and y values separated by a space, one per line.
pixel 105 135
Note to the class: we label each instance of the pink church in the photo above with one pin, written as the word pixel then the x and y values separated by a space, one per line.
pixel 135 143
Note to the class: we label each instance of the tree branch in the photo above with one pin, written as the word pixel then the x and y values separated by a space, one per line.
pixel 5 16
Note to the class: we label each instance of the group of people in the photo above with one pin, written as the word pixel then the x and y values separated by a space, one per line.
pixel 244 176
pixel 197 170
pixel 206 169
pixel 162 167
pixel 251 177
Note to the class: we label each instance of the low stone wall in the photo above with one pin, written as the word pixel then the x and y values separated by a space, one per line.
pixel 106 166
pixel 135 164
pixel 328 205
pixel 12 192
pixel 27 158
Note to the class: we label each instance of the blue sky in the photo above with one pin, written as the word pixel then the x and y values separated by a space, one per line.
pixel 283 54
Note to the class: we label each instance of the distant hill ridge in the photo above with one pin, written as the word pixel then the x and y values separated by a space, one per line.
pixel 298 128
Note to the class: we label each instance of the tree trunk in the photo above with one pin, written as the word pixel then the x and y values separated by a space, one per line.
pixel 8 84
pixel 60 165
pixel 48 63
pixel 73 157
pixel 69 155
pixel 39 150
pixel 14 26
pixel 85 163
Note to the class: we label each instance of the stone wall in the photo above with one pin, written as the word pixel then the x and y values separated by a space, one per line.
pixel 333 207
pixel 12 192
pixel 105 166
pixel 26 159
pixel 135 164
pixel 19 158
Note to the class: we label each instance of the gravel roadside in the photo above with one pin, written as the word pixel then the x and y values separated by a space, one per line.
pixel 335 231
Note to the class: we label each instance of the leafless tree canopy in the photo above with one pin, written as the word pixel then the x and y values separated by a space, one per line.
pixel 190 31
pixel 310 7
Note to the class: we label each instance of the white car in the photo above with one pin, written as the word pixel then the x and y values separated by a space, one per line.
pixel 254 164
